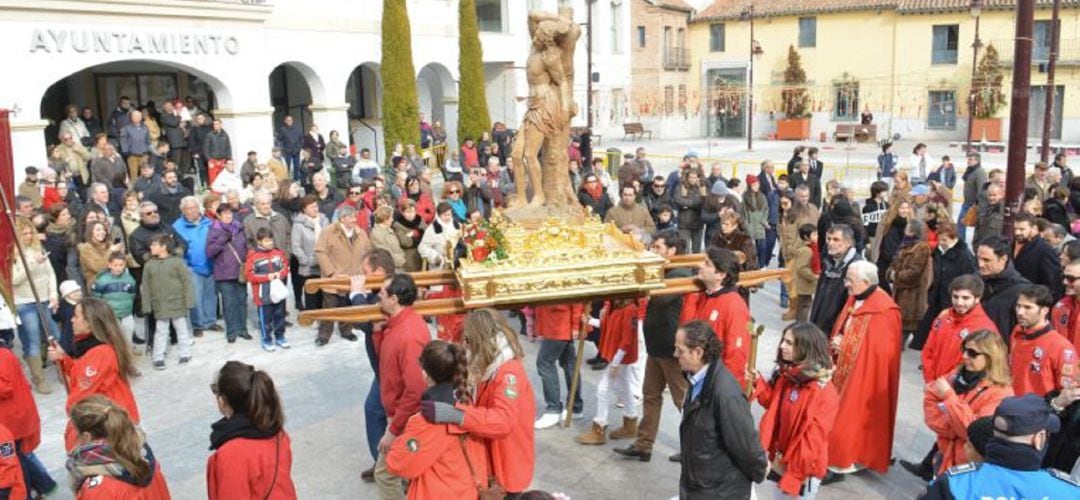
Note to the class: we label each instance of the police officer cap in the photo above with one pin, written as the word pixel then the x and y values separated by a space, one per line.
pixel 1024 415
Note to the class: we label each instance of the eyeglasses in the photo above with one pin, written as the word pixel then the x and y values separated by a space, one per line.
pixel 150 212
pixel 1069 278
pixel 658 185
pixel 972 353
pixel 355 193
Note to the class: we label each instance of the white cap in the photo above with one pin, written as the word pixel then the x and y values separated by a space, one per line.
pixel 67 287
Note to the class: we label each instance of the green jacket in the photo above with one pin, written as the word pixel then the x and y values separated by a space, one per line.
pixel 166 288
pixel 118 291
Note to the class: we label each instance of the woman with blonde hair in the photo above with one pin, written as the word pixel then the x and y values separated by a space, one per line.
pixel 503 405
pixel 974 390
pixel 101 364
pixel 111 459
pixel 37 275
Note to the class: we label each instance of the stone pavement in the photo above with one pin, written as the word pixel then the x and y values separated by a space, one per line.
pixel 324 388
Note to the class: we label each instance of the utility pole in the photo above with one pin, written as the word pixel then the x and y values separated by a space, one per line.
pixel 1018 112
pixel 588 65
pixel 749 15
pixel 976 12
pixel 1051 66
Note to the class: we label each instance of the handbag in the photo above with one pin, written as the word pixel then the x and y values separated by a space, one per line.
pixel 971 217
pixel 278 291
pixel 493 492
pixel 243 277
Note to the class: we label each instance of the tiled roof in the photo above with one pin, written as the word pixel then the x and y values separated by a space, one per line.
pixel 926 6
pixel 674 4
pixel 731 9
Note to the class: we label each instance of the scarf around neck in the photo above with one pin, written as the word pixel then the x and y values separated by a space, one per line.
pixel 965 381
pixel 237 426
pixel 96 459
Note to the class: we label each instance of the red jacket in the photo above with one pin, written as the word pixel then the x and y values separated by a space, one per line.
pixel 245 468
pixel 950 416
pixel 401 381
pixel 425 206
pixel 618 331
pixel 1064 318
pixel 18 411
pixel 95 372
pixel 11 475
pixel 726 312
pixel 558 322
pixel 503 415
pixel 941 354
pixel 796 425
pixel 110 488
pixel 258 266
pixel 432 458
pixel 1039 360
pixel 449 327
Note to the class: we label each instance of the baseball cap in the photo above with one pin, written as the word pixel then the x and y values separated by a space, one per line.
pixel 1024 415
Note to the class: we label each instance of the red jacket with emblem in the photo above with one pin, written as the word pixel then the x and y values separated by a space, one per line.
pixel 111 488
pixel 558 322
pixel 726 312
pixel 619 332
pixel 1065 316
pixel 503 414
pixel 18 411
pixel 1039 359
pixel 249 468
pixel 950 416
pixel 401 381
pixel 97 371
pixel 433 458
pixel 11 475
pixel 796 425
pixel 941 354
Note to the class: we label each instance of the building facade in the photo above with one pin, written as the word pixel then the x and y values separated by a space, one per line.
pixel 250 62
pixel 660 67
pixel 908 62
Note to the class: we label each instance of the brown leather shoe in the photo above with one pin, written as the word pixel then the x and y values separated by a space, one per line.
pixel 368 475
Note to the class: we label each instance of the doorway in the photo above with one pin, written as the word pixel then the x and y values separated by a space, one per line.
pixel 1037 111
pixel 727 103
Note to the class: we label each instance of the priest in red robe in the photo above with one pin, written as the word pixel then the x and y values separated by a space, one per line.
pixel 866 343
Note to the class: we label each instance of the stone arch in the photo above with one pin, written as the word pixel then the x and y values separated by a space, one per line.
pixel 363 93
pixel 294 88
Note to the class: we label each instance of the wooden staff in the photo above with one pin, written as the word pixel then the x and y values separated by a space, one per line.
pixel 437 307
pixel 575 379
pixel 42 318
pixel 755 334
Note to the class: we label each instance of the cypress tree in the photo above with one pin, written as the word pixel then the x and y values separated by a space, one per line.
pixel 401 108
pixel 473 116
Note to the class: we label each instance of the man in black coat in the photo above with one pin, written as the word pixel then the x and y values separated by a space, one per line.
pixel 803 176
pixel 951 259
pixel 831 293
pixel 1034 258
pixel 1003 283
pixel 661 367
pixel 176 135
pixel 168 197
pixel 721 451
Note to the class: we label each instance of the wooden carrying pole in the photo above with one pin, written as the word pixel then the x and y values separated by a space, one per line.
pixel 438 307
pixel 576 378
pixel 42 317
pixel 755 335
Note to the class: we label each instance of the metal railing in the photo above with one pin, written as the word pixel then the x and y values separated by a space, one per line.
pixel 677 58
pixel 1068 51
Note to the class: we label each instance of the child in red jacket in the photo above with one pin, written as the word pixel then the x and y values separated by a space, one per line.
pixel 265 266
pixel 618 344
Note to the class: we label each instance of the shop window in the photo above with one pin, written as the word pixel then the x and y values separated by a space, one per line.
pixel 946 43
pixel 942 110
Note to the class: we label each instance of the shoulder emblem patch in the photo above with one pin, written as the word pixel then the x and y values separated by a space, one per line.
pixel 90 371
pixel 511 393
pixel 413 445
pixel 93 482
pixel 963 469
pixel 713 315
pixel 7 449
pixel 511 379
pixel 1063 476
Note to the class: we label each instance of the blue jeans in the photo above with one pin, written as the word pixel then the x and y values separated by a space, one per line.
pixel 31 329
pixel 374 418
pixel 562 352
pixel 770 245
pixel 35 474
pixel 763 257
pixel 292 160
pixel 961 229
pixel 234 304
pixel 272 322
pixel 204 314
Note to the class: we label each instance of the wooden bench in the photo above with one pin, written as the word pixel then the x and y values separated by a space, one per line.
pixel 635 130
pixel 857 131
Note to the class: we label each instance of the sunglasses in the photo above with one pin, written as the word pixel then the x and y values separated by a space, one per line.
pixel 1069 278
pixel 455 191
pixel 658 185
pixel 151 212
pixel 972 353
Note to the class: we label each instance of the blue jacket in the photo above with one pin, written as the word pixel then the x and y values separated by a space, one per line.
pixel 118 292
pixel 195 235
pixel 1011 471
pixel 135 140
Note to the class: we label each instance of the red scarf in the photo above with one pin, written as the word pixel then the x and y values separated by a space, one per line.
pixel 596 190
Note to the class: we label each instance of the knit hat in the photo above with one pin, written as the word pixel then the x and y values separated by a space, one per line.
pixel 751 179
pixel 920 190
pixel 720 189
pixel 980 431
pixel 67 287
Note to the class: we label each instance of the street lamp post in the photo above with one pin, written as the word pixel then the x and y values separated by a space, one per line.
pixel 976 12
pixel 748 15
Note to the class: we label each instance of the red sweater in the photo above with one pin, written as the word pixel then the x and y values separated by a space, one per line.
pixel 618 331
pixel 245 468
pixel 18 412
pixel 401 381
pixel 941 354
pixel 503 415
pixel 726 312
pixel 432 458
pixel 1039 359
pixel 96 372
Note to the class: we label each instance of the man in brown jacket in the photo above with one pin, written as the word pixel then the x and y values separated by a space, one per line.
pixel 629 213
pixel 340 250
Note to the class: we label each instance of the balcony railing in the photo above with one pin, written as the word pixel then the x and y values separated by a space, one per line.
pixel 677 58
pixel 1068 52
